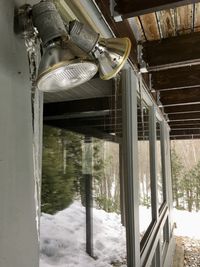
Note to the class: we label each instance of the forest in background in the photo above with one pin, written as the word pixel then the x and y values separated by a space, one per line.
pixel 63 182
pixel 185 158
pixel 62 178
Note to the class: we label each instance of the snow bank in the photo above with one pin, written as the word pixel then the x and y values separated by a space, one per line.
pixel 187 223
pixel 145 218
pixel 63 238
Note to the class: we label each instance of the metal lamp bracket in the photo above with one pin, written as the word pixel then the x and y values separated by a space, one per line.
pixel 23 22
pixel 117 17
pixel 23 26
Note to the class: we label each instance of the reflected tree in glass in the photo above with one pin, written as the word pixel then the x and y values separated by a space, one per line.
pixel 160 186
pixel 145 209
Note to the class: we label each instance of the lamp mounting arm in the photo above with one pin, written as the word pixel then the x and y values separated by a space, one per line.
pixel 45 18
pixel 83 36
pixel 23 24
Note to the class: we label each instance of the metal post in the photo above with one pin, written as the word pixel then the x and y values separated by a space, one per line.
pixel 153 163
pixel 130 139
pixel 164 155
pixel 87 175
pixel 122 187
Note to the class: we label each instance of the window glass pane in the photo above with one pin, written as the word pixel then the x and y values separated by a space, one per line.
pixel 145 209
pixel 63 227
pixel 160 186
pixel 80 202
pixel 109 235
pixel 164 235
pixel 156 261
pixel 162 238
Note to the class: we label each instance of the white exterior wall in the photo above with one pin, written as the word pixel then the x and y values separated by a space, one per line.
pixel 18 233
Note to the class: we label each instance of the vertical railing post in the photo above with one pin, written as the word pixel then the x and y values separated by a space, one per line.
pixel 153 163
pixel 130 155
pixel 87 176
pixel 122 187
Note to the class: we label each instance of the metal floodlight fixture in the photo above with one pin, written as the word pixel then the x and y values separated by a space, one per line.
pixel 59 68
pixel 110 53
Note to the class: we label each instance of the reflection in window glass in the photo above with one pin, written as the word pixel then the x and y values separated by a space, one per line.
pixel 160 186
pixel 109 236
pixel 61 169
pixel 156 261
pixel 62 228
pixel 164 235
pixel 145 209
pixel 80 202
pixel 162 238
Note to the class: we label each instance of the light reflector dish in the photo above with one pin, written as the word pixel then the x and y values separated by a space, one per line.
pixel 66 75
pixel 115 52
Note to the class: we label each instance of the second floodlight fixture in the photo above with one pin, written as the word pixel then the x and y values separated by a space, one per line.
pixel 110 53
pixel 60 68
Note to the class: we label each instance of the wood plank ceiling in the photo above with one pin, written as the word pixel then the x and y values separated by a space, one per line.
pixel 169 32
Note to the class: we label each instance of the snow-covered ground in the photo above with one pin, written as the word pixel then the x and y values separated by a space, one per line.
pixel 187 223
pixel 63 236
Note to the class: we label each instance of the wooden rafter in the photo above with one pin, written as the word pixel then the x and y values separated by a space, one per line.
pixel 182 109
pixel 130 8
pixel 173 51
pixel 186 126
pixel 185 132
pixel 174 124
pixel 176 78
pixel 184 116
pixel 180 96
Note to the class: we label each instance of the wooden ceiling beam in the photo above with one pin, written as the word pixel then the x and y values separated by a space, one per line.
pixel 181 96
pixel 176 78
pixel 166 53
pixel 174 124
pixel 185 132
pixel 185 126
pixel 184 116
pixel 182 108
pixel 130 8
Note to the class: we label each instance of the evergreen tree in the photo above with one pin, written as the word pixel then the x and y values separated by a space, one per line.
pixel 192 187
pixel 62 179
pixel 106 176
pixel 61 169
pixel 177 178
pixel 186 184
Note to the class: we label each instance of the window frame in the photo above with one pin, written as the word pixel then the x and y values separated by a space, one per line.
pixel 131 88
pixel 148 230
